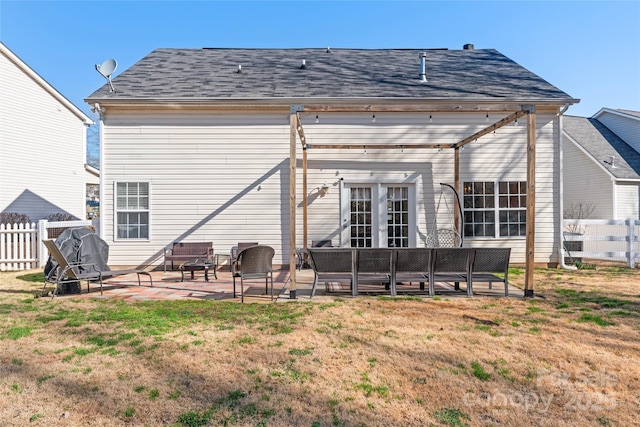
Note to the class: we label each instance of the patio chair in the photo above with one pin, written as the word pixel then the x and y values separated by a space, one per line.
pixel 488 262
pixel 302 256
pixel 235 250
pixel 67 272
pixel 254 262
pixel 374 265
pixel 452 265
pixel 413 265
pixel 331 265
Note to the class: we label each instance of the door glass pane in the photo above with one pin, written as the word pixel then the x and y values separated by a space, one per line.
pixel 361 217
pixel 397 217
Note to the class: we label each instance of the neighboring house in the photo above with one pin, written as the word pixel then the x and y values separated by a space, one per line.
pixel 42 144
pixel 602 165
pixel 197 146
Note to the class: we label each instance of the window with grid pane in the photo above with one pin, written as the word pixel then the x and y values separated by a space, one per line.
pixel 398 217
pixel 512 205
pixel 132 210
pixel 361 225
pixel 487 214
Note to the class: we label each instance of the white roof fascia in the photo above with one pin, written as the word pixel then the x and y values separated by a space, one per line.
pixel 581 148
pixel 615 112
pixel 45 85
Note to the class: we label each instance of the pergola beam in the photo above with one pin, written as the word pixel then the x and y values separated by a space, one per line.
pixel 296 129
pixel 377 146
pixel 497 125
pixel 409 108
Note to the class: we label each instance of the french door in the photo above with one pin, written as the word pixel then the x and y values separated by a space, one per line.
pixel 378 215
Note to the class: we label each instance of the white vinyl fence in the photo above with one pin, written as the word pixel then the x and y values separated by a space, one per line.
pixel 610 240
pixel 21 246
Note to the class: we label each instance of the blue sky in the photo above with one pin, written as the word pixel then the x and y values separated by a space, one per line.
pixel 589 49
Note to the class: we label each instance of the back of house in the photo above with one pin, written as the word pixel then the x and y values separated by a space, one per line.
pixel 203 144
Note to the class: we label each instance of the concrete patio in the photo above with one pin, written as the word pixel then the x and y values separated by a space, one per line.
pixel 167 286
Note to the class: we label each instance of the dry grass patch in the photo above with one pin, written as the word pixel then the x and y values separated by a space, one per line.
pixel 567 358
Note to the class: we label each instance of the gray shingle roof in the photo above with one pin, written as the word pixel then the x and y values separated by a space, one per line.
pixel 602 143
pixel 267 74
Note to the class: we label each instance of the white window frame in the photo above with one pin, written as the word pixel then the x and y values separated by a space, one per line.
pixel 379 221
pixel 116 211
pixel 496 209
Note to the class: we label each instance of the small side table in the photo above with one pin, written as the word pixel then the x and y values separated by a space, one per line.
pixel 226 260
pixel 199 264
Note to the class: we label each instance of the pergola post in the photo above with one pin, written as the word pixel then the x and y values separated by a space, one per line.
pixel 531 198
pixel 456 185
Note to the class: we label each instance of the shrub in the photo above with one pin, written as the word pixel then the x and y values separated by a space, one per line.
pixel 14 218
pixel 61 216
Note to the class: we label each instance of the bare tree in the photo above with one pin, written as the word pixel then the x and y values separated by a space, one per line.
pixel 578 210
pixel 93 145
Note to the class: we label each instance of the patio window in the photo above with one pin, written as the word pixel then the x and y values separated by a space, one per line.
pixel 132 210
pixel 495 209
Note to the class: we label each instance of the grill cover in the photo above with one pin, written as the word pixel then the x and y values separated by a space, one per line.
pixel 80 246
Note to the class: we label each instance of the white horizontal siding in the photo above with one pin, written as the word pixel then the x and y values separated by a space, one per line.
pixel 225 177
pixel 42 162
pixel 627 201
pixel 586 184
pixel 626 128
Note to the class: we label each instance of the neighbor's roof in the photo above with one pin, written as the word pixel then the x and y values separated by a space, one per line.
pixel 620 112
pixel 44 84
pixel 276 74
pixel 601 144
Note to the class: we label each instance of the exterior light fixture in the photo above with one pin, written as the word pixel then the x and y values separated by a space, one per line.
pixel 324 190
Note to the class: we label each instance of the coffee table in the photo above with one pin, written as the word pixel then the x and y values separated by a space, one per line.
pixel 199 264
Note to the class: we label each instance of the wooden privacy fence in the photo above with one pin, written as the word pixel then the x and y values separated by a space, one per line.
pixel 602 239
pixel 21 246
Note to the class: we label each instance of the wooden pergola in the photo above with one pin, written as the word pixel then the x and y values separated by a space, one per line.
pixel 514 111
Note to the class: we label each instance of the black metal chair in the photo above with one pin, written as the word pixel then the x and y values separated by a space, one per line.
pixel 488 262
pixel 413 265
pixel 255 262
pixel 374 265
pixel 452 265
pixel 331 265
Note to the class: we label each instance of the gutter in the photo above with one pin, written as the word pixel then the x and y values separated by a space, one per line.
pixel 561 193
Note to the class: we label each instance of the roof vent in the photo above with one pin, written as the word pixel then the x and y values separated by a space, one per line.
pixel 613 162
pixel 423 67
pixel 328 49
pixel 468 46
pixel 239 69
pixel 304 64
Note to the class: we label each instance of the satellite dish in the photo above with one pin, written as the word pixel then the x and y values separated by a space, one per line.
pixel 107 68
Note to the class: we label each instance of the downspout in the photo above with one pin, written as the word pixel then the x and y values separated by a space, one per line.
pixel 561 193
pixel 100 111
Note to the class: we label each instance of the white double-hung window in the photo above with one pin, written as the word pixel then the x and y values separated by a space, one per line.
pixel 132 210
pixel 495 209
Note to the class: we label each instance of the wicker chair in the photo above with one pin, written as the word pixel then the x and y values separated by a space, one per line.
pixel 254 263
pixel 235 250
